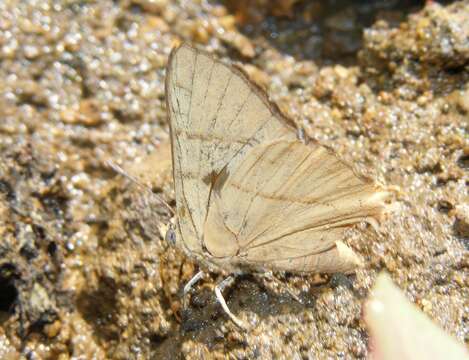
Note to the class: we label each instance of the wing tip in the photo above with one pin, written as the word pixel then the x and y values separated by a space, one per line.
pixel 347 258
pixel 176 49
pixel 256 88
pixel 383 201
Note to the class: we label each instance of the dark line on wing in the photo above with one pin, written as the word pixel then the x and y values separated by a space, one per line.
pixel 213 121
pixel 209 137
pixel 318 200
pixel 329 223
pixel 242 147
pixel 252 200
pixel 189 123
pixel 333 172
pixel 209 81
pixel 231 231
pixel 264 185
pixel 184 193
pixel 211 128
pixel 225 141
pixel 279 221
pixel 203 137
pixel 178 112
pixel 241 108
pixel 228 128
pixel 250 138
pixel 180 167
pixel 294 257
pixel 325 222
pixel 170 104
pixel 189 126
pixel 292 174
pixel 257 161
pixel 289 205
pixel 210 131
pixel 183 88
pixel 330 220
pixel 247 176
pixel 235 118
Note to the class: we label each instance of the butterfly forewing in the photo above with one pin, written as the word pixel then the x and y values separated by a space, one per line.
pixel 216 115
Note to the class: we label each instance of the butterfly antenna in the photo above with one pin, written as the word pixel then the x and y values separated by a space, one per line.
pixel 134 180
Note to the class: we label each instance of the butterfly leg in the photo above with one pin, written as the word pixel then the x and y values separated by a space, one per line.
pixel 218 292
pixel 189 286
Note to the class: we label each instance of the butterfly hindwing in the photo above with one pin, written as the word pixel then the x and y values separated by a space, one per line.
pixel 286 206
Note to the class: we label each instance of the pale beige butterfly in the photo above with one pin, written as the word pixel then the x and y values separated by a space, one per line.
pixel 250 196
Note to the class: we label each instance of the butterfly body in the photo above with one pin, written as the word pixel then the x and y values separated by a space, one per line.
pixel 250 196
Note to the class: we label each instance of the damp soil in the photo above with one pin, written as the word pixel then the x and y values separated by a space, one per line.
pixel 84 268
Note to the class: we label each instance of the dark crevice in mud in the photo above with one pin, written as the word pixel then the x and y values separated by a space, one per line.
pixel 7 190
pixel 167 347
pixel 8 291
pixel 98 309
pixel 463 161
pixel 34 100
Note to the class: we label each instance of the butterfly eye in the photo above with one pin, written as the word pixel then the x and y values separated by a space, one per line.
pixel 170 236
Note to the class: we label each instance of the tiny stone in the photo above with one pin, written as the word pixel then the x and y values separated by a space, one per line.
pixel 52 330
pixel 461 224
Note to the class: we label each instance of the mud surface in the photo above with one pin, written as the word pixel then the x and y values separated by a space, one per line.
pixel 84 269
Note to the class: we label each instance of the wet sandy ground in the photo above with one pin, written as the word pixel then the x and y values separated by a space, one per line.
pixel 84 270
